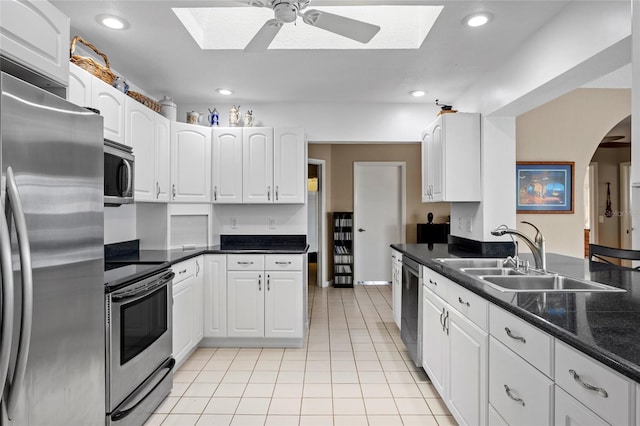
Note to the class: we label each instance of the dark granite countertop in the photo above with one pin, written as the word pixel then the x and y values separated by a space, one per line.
pixel 605 326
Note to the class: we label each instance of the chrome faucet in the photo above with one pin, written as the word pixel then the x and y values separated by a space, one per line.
pixel 537 247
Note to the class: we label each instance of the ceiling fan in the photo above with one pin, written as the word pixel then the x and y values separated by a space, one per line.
pixel 287 11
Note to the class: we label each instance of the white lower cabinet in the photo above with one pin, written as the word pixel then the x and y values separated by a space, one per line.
pixel 396 286
pixel 215 295
pixel 184 304
pixel 283 304
pixel 455 353
pixel 570 412
pixel 245 302
pixel 521 394
pixel 198 305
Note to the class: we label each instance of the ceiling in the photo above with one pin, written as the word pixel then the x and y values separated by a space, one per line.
pixel 157 54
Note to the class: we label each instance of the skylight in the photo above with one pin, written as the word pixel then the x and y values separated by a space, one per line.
pixel 231 28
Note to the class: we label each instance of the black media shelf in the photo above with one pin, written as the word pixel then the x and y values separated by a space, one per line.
pixel 343 249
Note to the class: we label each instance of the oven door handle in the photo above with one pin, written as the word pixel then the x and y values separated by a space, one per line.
pixel 143 391
pixel 139 293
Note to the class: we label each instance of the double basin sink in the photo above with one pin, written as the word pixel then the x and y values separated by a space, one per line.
pixel 495 274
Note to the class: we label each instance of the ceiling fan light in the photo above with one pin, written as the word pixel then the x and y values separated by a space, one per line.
pixel 478 19
pixel 286 12
pixel 417 93
pixel 225 92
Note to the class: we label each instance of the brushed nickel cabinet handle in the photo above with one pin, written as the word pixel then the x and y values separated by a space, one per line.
pixel 463 302
pixel 510 395
pixel 215 193
pixel 173 191
pixel 259 282
pixel 268 193
pixel 157 190
pixel 585 385
pixel 277 187
pixel 513 336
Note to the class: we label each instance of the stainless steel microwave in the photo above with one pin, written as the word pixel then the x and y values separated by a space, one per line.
pixel 119 172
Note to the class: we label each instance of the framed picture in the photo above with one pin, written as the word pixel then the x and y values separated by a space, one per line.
pixel 544 187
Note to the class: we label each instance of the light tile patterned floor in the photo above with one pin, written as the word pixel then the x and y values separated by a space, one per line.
pixel 354 370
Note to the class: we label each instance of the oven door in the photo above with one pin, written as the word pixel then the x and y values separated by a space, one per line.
pixel 139 334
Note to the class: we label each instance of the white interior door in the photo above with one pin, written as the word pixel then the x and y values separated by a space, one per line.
pixel 379 218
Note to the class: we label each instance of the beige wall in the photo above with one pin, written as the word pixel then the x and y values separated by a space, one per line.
pixel 568 128
pixel 340 159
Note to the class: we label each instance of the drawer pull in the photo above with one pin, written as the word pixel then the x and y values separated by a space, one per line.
pixel 514 337
pixel 182 272
pixel 283 263
pixel 577 378
pixel 463 302
pixel 432 282
pixel 510 395
pixel 245 263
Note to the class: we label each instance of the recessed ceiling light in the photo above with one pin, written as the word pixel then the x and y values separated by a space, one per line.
pixel 113 22
pixel 417 93
pixel 478 19
pixel 224 91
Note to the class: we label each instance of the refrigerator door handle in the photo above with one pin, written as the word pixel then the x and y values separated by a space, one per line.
pixel 15 204
pixel 6 310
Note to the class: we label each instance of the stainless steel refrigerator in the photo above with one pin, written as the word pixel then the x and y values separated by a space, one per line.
pixel 52 361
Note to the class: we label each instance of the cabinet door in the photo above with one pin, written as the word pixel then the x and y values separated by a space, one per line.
pixel 162 162
pixel 397 294
pixel 140 128
pixel 198 302
pixel 283 304
pixel 110 101
pixel 468 362
pixel 434 339
pixel 570 412
pixel 289 166
pixel 190 163
pixel 79 91
pixel 245 304
pixel 257 170
pixel 36 34
pixel 227 166
pixel 436 162
pixel 183 303
pixel 427 172
pixel 215 295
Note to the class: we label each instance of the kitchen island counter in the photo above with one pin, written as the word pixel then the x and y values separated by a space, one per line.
pixel 605 326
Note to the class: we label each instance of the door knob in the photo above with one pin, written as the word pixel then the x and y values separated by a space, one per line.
pixel 361 230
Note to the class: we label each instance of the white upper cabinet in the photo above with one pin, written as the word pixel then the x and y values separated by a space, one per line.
pixel 190 163
pixel 79 91
pixel 36 34
pixel 451 159
pixel 289 166
pixel 148 134
pixel 227 165
pixel 257 172
pixel 111 104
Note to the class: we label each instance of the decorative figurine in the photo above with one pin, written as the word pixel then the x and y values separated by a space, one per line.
pixel 213 117
pixel 234 116
pixel 248 119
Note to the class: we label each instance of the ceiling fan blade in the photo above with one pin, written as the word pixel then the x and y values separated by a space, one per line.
pixel 346 27
pixel 263 38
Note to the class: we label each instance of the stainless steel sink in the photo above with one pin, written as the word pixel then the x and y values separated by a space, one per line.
pixel 545 283
pixel 472 263
pixel 491 271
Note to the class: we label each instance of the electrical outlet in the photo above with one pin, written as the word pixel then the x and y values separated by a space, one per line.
pixel 234 223
pixel 460 224
pixel 272 223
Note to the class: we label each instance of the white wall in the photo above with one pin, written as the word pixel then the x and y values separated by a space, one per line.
pixel 119 223
pixel 254 219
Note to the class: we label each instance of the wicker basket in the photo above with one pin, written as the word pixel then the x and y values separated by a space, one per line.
pixel 149 103
pixel 103 72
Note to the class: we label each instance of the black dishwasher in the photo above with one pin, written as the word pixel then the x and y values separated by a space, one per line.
pixel 411 320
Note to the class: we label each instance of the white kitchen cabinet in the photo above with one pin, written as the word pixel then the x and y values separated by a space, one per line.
pixel 396 286
pixel 289 166
pixel 570 412
pixel 111 104
pixel 283 304
pixel 227 165
pixel 148 134
pixel 79 91
pixel 35 34
pixel 245 304
pixel 451 159
pixel 257 171
pixel 190 163
pixel 198 308
pixel 521 394
pixel 215 295
pixel 184 301
pixel 455 349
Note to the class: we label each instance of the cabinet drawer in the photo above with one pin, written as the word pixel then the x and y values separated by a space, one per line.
pixel 526 340
pixel 520 394
pixel 284 262
pixel 435 282
pixel 245 262
pixel 184 270
pixel 469 304
pixel 571 412
pixel 616 407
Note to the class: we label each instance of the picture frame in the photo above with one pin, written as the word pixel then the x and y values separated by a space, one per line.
pixel 544 187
